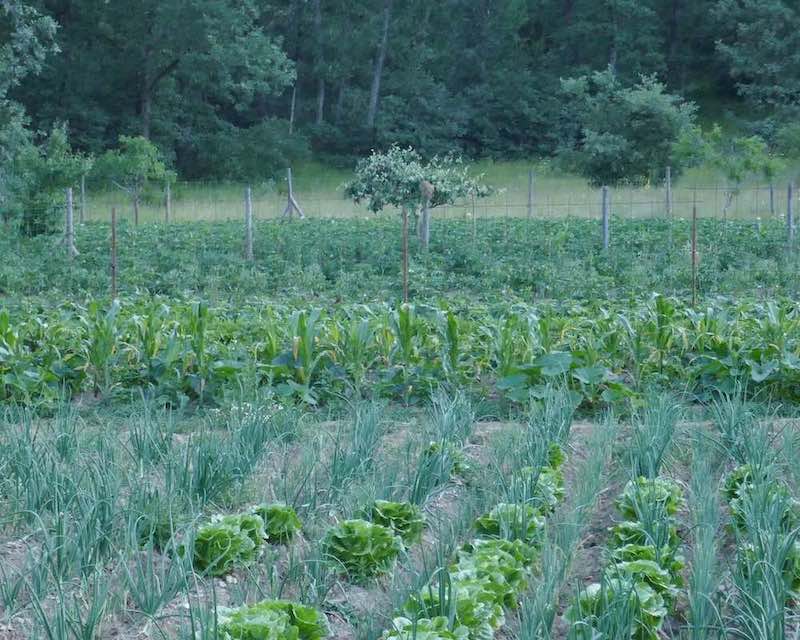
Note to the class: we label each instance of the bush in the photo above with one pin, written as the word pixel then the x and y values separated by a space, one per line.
pixel 623 134
pixel 363 549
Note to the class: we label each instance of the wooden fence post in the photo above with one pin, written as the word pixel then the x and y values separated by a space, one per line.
pixel 772 199
pixel 405 254
pixel 248 225
pixel 291 204
pixel 694 251
pixel 605 216
pixel 82 213
pixel 668 182
pixel 530 193
pixel 168 203
pixel 790 213
pixel 113 253
pixel 69 230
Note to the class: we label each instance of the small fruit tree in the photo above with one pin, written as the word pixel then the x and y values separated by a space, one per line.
pixel 400 178
pixel 132 166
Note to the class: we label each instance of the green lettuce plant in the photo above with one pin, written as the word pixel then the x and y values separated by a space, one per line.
pixel 543 488
pixel 281 523
pixel 649 493
pixel 363 549
pixel 633 532
pixel 452 454
pixel 470 603
pixel 437 628
pixel 497 563
pixel 273 620
pixel 404 518
pixel 250 524
pixel 218 547
pixel 617 608
pixel 512 522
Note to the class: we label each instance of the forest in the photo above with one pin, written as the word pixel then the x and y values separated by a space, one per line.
pixel 240 89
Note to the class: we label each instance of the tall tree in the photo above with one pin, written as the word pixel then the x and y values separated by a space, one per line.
pixel 761 43
pixel 380 60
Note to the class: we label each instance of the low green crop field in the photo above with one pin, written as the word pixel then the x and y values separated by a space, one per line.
pixel 550 440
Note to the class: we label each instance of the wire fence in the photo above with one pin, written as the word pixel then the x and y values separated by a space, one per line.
pixel 191 201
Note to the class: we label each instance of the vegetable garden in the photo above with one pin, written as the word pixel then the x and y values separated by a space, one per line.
pixel 536 446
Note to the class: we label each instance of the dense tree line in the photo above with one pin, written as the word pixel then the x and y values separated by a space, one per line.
pixel 236 88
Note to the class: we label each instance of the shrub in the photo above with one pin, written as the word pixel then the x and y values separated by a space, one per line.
pixel 404 518
pixel 273 620
pixel 362 548
pixel 281 523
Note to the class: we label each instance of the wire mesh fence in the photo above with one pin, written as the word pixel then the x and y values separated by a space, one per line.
pixel 193 201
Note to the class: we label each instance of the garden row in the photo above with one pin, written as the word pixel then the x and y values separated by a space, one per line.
pixel 180 353
pixel 359 260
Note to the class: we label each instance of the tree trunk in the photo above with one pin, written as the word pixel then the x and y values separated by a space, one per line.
pixel 337 114
pixel 672 38
pixel 321 101
pixel 136 209
pixel 291 108
pixel 425 226
pixel 147 109
pixel 405 254
pixel 380 59
pixel 319 61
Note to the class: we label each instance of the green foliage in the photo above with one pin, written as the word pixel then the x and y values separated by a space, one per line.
pixel 617 608
pixel 511 521
pixel 449 456
pixel 362 549
pixel 273 620
pixel 42 174
pixel 392 179
pixel 404 518
pixel 131 166
pixel 543 488
pixel 281 523
pixel 469 603
pixel 219 547
pixel 623 134
pixel 437 628
pixel 503 564
pixel 649 493
pixel 738 158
